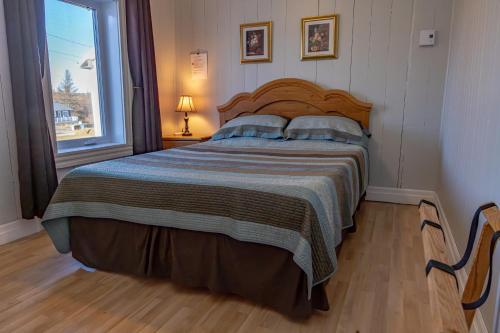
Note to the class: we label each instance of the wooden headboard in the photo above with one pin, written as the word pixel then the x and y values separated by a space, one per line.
pixel 292 98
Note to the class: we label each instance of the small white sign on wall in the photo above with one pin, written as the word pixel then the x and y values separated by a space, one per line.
pixel 199 65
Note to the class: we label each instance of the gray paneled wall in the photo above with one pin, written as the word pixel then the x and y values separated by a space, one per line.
pixel 9 202
pixel 380 61
pixel 470 135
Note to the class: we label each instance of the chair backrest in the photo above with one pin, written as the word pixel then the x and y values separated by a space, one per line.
pixel 452 313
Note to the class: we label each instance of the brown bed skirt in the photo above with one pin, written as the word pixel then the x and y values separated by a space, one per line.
pixel 263 274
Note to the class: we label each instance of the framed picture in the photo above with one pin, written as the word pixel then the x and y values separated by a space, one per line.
pixel 256 42
pixel 320 37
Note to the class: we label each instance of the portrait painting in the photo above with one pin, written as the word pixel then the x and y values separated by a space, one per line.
pixel 319 37
pixel 256 44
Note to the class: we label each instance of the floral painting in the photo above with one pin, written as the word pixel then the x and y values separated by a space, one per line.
pixel 256 42
pixel 319 37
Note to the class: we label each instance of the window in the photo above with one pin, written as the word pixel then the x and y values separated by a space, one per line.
pixel 84 46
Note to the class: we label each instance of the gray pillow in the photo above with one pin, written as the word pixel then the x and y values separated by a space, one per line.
pixel 334 128
pixel 259 126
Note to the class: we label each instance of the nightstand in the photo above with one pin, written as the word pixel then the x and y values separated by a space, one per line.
pixel 175 141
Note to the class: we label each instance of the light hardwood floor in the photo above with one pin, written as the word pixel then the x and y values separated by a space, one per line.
pixel 380 287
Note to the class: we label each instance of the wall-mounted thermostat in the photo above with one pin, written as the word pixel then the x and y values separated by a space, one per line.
pixel 427 37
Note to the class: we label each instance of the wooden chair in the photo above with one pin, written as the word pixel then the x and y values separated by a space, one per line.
pixel 452 313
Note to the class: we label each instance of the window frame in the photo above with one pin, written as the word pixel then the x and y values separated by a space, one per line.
pixel 89 150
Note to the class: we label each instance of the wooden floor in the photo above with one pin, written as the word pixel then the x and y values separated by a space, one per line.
pixel 380 287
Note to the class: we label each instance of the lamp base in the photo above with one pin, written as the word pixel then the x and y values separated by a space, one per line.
pixel 186 128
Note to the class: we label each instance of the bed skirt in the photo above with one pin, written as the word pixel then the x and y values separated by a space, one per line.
pixel 263 274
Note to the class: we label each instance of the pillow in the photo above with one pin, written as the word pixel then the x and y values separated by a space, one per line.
pixel 260 126
pixel 334 128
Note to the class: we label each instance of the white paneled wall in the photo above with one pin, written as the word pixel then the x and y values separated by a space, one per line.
pixel 9 202
pixel 424 97
pixel 470 135
pixel 380 62
pixel 163 16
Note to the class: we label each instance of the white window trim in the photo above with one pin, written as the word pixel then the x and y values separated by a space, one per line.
pixel 102 152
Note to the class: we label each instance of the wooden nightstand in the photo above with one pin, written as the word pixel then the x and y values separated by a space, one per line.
pixel 175 141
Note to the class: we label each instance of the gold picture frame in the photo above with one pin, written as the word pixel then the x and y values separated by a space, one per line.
pixel 323 31
pixel 256 42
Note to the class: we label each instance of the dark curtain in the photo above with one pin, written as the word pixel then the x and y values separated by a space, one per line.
pixel 25 23
pixel 146 124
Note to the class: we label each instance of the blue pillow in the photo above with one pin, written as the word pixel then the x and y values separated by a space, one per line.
pixel 333 128
pixel 259 126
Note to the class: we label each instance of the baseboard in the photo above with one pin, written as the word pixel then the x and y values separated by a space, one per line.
pixel 478 326
pixel 18 229
pixel 398 195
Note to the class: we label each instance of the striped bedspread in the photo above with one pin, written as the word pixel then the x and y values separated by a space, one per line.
pixel 295 195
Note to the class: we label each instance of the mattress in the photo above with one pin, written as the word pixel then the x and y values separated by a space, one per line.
pixel 294 195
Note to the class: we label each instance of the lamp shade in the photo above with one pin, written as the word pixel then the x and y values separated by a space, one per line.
pixel 185 104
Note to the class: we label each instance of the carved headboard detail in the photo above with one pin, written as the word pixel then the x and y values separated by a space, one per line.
pixel 292 98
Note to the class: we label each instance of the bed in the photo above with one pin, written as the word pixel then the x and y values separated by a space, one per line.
pixel 254 217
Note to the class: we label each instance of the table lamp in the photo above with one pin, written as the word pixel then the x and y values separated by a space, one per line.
pixel 186 105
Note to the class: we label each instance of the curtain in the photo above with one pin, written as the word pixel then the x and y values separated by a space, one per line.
pixel 26 43
pixel 146 124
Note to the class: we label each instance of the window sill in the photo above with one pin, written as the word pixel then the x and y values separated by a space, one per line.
pixel 86 155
